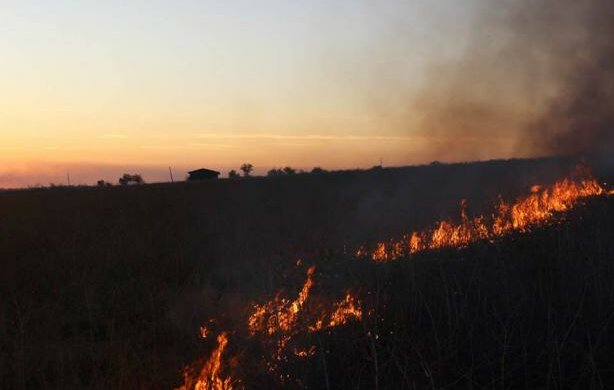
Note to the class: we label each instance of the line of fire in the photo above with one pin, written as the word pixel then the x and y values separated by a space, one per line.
pixel 284 326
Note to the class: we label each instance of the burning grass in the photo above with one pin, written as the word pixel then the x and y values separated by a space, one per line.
pixel 537 209
pixel 101 292
pixel 210 376
pixel 278 323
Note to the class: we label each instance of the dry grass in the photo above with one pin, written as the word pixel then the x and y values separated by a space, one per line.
pixel 107 288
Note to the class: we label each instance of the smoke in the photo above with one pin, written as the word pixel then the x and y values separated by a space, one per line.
pixel 580 117
pixel 536 78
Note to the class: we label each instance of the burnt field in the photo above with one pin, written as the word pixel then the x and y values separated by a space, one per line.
pixel 112 287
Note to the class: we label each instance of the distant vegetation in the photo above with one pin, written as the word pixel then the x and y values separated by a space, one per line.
pixel 247 169
pixel 127 179
pixel 287 171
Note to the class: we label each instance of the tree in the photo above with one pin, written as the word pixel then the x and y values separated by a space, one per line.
pixel 131 179
pixel 247 169
pixel 233 174
pixel 275 172
pixel 318 171
pixel 288 171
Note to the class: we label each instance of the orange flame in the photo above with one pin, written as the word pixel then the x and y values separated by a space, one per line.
pixel 210 377
pixel 204 332
pixel 538 208
pixel 345 310
pixel 280 314
pixel 278 319
pixel 305 353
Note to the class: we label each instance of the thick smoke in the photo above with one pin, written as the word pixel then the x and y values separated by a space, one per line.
pixel 580 117
pixel 541 71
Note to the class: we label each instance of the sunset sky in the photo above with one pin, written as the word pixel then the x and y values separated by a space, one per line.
pixel 97 88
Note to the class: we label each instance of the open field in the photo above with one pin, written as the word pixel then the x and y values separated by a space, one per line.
pixel 108 287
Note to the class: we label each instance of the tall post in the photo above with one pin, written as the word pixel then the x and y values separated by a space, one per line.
pixel 171 172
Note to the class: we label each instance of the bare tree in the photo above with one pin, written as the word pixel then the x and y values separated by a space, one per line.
pixel 247 169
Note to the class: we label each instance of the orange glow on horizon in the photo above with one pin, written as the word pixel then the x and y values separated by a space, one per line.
pixel 48 159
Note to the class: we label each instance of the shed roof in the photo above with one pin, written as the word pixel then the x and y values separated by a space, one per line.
pixel 203 170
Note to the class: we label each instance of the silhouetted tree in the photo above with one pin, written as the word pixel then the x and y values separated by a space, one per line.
pixel 233 174
pixel 275 172
pixel 318 171
pixel 288 171
pixel 247 169
pixel 131 179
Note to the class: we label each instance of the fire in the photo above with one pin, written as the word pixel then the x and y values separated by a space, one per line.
pixel 305 353
pixel 284 327
pixel 204 332
pixel 280 314
pixel 279 319
pixel 538 208
pixel 210 377
pixel 346 310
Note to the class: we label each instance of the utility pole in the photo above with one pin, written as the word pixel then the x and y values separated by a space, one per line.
pixel 68 177
pixel 171 172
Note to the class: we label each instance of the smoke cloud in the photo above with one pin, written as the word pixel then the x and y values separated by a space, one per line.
pixel 538 71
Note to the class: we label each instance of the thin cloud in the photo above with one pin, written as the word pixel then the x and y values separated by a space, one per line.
pixel 309 137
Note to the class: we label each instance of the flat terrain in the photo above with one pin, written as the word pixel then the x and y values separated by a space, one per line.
pixel 108 287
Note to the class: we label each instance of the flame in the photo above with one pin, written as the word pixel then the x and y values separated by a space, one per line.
pixel 210 377
pixel 280 314
pixel 305 353
pixel 538 208
pixel 280 320
pixel 346 310
pixel 280 323
pixel 204 332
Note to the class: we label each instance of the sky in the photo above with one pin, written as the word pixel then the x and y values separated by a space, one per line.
pixel 98 88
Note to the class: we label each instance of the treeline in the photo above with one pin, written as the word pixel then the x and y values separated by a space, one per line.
pixel 247 170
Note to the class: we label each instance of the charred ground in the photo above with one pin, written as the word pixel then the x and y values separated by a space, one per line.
pixel 107 288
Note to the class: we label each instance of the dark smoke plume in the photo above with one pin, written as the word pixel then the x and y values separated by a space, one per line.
pixel 538 70
pixel 580 117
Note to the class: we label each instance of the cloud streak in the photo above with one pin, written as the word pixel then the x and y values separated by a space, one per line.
pixel 309 137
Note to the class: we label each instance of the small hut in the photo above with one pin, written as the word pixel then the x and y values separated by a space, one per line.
pixel 203 174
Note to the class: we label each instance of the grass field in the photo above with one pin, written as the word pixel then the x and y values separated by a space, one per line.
pixel 108 287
